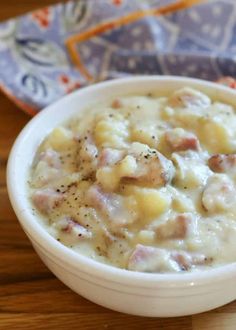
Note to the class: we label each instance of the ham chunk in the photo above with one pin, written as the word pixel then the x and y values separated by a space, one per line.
pixel 139 163
pixel 116 104
pixel 110 156
pixel 186 260
pixel 50 157
pixel 70 226
pixel 47 169
pixel 47 199
pixel 222 163
pixel 152 259
pixel 152 168
pixel 178 227
pixel 187 98
pixel 116 208
pixel 219 194
pixel 180 140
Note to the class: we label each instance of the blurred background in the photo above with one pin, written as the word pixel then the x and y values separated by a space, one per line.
pixel 11 8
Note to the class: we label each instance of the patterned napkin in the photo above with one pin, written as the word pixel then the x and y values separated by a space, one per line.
pixel 55 50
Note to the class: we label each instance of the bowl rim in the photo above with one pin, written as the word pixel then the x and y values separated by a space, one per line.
pixel 84 264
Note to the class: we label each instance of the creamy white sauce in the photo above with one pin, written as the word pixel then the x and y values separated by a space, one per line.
pixel 143 182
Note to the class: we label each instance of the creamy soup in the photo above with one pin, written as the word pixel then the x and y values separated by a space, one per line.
pixel 142 182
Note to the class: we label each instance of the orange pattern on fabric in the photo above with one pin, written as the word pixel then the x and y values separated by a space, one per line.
pixel 68 83
pixel 117 2
pixel 42 17
pixel 72 41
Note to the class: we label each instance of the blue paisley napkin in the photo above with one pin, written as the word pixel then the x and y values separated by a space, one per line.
pixel 55 50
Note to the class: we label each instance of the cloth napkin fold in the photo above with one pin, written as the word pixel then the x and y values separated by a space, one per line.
pixel 52 51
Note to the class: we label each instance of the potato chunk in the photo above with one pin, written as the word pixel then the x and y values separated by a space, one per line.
pixel 151 202
pixel 188 97
pixel 219 194
pixel 107 177
pixel 181 202
pixel 191 170
pixel 216 136
pixel 111 131
pixel 144 134
pixel 59 139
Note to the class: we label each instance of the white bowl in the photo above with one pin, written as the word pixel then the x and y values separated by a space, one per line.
pixel 121 290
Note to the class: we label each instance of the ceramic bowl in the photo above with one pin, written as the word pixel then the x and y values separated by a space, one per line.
pixel 118 289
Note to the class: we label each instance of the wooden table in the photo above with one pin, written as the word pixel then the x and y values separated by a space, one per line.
pixel 30 296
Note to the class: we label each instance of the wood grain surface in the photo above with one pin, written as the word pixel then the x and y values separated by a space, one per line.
pixel 30 296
